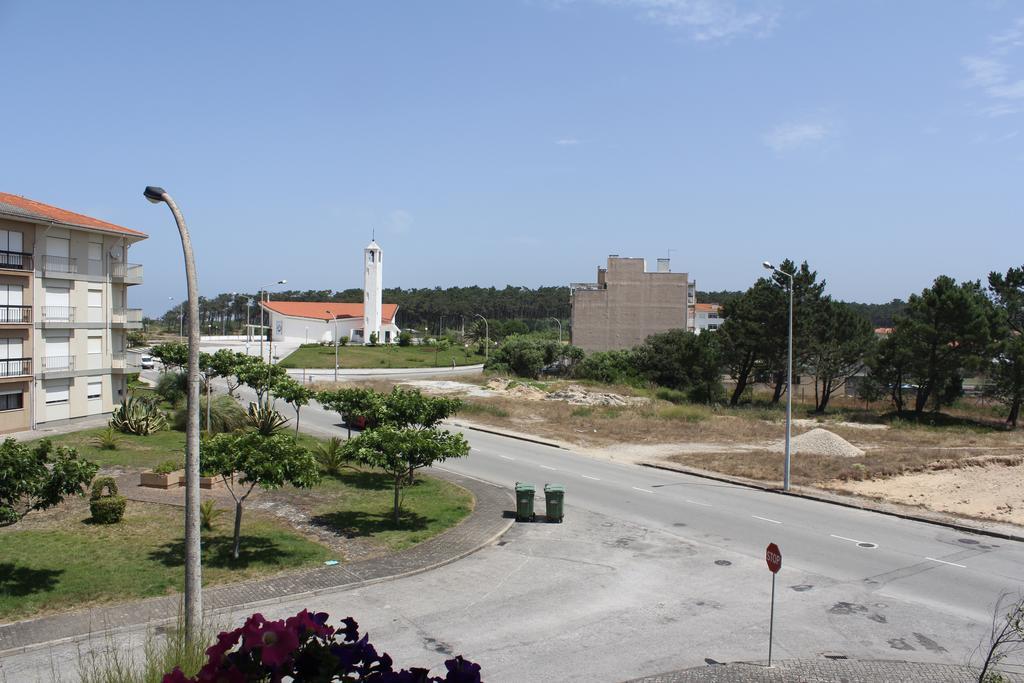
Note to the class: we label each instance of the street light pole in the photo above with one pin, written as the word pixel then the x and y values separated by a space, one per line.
pixel 335 346
pixel 789 377
pixel 559 328
pixel 264 292
pixel 193 556
pixel 487 336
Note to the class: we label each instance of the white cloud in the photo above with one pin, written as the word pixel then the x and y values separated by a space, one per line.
pixel 990 73
pixel 567 142
pixel 789 136
pixel 704 20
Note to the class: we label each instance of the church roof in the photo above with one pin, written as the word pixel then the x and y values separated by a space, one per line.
pixel 326 310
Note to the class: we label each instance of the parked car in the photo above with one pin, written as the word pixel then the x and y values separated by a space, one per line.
pixel 147 363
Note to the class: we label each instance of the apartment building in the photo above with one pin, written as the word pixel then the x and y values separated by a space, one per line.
pixel 628 303
pixel 707 317
pixel 64 314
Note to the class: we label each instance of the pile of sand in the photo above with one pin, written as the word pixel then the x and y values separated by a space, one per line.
pixel 821 442
pixel 516 389
pixel 578 396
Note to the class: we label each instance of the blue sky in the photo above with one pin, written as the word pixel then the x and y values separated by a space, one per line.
pixel 521 141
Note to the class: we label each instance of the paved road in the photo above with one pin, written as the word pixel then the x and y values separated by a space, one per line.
pixel 858 582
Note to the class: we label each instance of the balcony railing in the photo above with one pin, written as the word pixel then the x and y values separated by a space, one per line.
pixel 124 361
pixel 58 314
pixel 126 271
pixel 15 367
pixel 59 264
pixel 58 363
pixel 15 314
pixel 126 315
pixel 15 260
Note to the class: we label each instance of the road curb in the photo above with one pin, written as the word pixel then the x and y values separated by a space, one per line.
pixel 866 505
pixel 97 629
pixel 508 435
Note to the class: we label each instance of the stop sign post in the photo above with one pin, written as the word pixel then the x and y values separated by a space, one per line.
pixel 773 557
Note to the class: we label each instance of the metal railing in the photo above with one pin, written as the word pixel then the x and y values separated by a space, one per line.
pixel 15 367
pixel 15 260
pixel 127 271
pixel 60 264
pixel 15 314
pixel 58 314
pixel 58 363
pixel 126 315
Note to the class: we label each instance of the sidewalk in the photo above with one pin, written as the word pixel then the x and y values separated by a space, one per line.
pixel 819 671
pixel 483 526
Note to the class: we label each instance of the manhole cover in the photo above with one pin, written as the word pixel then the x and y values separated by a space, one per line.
pixel 723 563
pixel 802 587
pixel 865 544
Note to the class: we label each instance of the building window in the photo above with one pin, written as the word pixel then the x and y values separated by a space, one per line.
pixel 13 400
pixel 57 394
pixel 371 257
pixel 95 389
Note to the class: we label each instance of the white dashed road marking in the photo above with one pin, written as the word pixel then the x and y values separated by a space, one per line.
pixel 952 564
pixel 507 458
pixel 765 519
pixel 547 468
pixel 636 488
pixel 589 477
pixel 707 505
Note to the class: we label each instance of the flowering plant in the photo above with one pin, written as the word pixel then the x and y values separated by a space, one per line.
pixel 304 649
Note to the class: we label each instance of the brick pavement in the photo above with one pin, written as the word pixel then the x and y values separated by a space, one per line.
pixel 484 525
pixel 819 671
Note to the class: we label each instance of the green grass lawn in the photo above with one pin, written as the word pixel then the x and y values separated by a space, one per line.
pixel 360 504
pixel 380 357
pixel 72 563
pixel 132 451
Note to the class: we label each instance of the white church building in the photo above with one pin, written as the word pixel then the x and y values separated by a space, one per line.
pixel 316 321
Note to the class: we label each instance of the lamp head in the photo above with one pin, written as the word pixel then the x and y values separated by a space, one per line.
pixel 767 265
pixel 154 194
pixel 282 282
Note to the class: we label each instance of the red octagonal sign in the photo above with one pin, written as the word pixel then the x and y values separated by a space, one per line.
pixel 774 558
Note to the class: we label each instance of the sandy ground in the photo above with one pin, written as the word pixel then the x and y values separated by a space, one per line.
pixel 992 492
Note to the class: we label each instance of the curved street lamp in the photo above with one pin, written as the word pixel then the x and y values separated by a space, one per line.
pixel 789 374
pixel 193 557
pixel 328 312
pixel 559 328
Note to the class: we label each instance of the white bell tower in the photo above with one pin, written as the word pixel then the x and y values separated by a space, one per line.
pixel 372 292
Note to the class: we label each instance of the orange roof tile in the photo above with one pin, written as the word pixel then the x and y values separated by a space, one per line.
pixel 326 310
pixel 22 207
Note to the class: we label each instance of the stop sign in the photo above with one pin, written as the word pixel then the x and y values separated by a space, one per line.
pixel 773 556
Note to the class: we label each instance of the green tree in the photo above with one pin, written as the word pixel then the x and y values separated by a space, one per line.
pixel 259 376
pixel 245 461
pixel 609 367
pixel 171 354
pixel 838 342
pixel 294 394
pixel 1007 371
pixel 889 371
pixel 743 337
pixel 946 330
pixel 807 299
pixel 410 409
pixel 225 363
pixel 353 403
pixel 39 477
pixel 396 451
pixel 683 361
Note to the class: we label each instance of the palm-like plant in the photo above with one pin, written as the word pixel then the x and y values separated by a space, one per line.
pixel 331 456
pixel 138 415
pixel 106 440
pixel 265 419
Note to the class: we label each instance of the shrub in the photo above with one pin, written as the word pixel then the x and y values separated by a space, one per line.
pixel 172 387
pixel 331 456
pixel 138 415
pixel 685 412
pixel 106 440
pixel 671 395
pixel 343 340
pixel 106 508
pixel 405 338
pixel 225 415
pixel 168 466
pixel 265 419
pixel 208 514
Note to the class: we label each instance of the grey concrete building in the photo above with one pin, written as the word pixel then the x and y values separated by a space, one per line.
pixel 628 303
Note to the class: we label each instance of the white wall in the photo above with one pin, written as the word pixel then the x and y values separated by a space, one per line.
pixel 301 330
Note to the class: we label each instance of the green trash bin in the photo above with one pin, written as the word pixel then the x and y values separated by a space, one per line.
pixel 524 501
pixel 554 502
